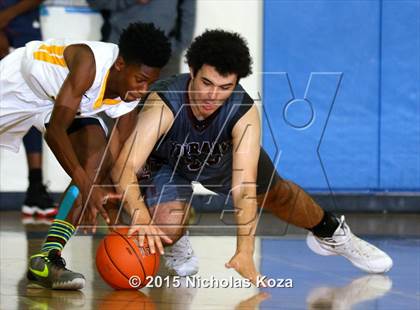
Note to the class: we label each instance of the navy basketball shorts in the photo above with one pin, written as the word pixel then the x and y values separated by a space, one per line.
pixel 165 185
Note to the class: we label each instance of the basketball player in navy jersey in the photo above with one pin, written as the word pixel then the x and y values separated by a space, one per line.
pixel 204 127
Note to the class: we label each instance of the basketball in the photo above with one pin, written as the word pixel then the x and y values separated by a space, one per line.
pixel 122 264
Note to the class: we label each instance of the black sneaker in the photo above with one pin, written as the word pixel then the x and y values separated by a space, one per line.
pixel 49 270
pixel 39 202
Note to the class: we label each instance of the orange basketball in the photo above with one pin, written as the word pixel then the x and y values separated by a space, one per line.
pixel 122 264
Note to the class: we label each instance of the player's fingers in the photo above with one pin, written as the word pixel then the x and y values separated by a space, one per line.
pixel 166 239
pixel 151 242
pixel 92 217
pixel 141 238
pixel 110 196
pixel 104 214
pixel 94 225
pixel 163 236
pixel 250 274
pixel 131 230
pixel 159 245
pixel 86 221
pixel 136 231
pixel 231 265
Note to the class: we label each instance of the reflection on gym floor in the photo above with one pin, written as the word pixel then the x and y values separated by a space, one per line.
pixel 318 282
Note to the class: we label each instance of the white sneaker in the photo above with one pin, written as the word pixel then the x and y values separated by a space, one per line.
pixel 360 253
pixel 180 259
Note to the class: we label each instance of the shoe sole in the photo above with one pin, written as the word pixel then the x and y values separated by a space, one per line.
pixel 32 210
pixel 369 269
pixel 75 284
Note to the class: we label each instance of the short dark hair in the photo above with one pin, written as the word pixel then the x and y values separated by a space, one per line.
pixel 143 43
pixel 227 51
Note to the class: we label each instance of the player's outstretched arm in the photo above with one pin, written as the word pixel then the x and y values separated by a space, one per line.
pixel 81 64
pixel 120 133
pixel 153 121
pixel 246 148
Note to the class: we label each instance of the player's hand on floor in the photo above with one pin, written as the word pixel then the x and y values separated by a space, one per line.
pixel 244 264
pixel 152 233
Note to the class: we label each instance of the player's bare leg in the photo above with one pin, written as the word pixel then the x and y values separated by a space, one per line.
pixel 89 144
pixel 47 268
pixel 171 218
pixel 328 234
pixel 290 203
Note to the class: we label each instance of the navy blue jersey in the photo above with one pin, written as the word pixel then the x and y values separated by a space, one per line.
pixel 199 150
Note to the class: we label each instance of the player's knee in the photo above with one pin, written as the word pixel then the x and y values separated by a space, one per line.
pixel 173 233
pixel 169 217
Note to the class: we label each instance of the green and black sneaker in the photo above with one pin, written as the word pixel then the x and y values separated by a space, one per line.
pixel 49 271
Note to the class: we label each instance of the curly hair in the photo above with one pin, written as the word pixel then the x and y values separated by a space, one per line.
pixel 227 51
pixel 143 43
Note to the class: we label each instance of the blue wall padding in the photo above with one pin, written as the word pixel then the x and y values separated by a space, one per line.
pixel 315 51
pixel 400 134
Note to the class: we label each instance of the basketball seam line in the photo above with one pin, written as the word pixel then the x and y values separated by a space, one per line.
pixel 113 263
pixel 135 253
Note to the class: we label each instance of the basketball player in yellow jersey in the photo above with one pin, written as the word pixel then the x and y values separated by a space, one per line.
pixel 59 87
